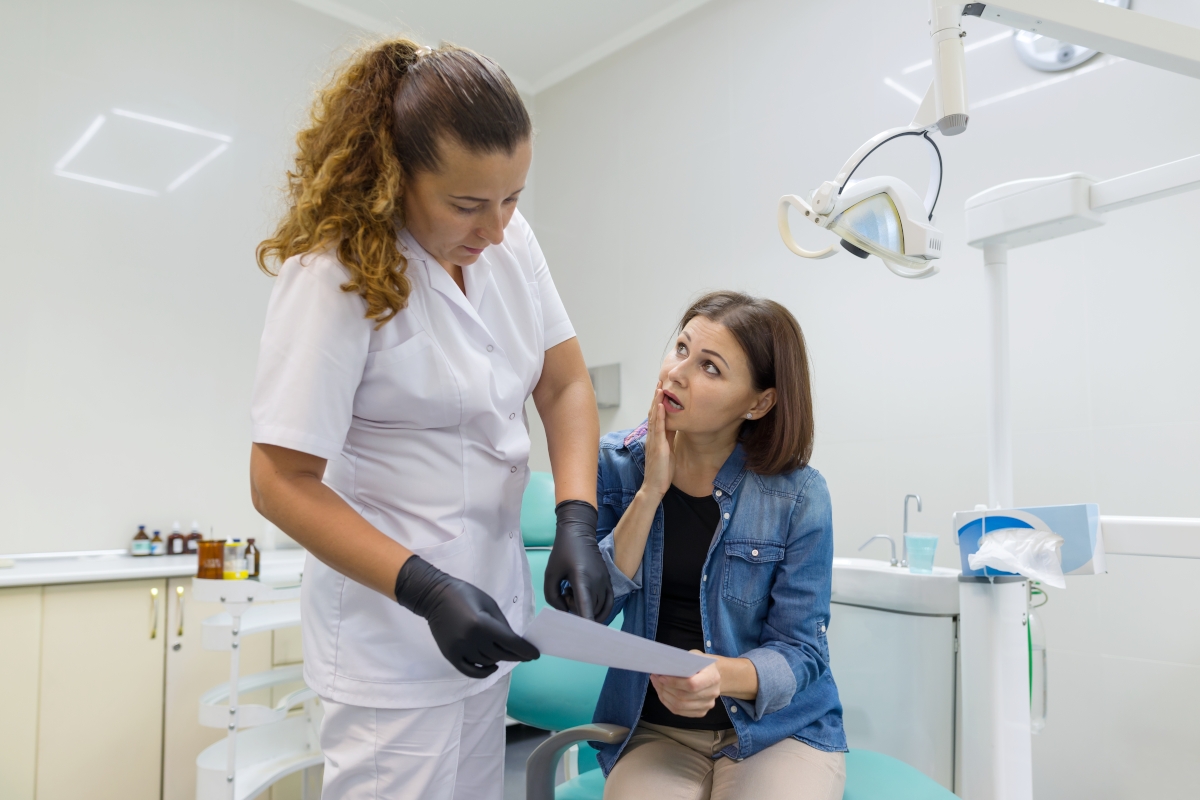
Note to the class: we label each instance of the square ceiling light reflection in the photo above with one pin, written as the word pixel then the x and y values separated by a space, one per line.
pixel 140 153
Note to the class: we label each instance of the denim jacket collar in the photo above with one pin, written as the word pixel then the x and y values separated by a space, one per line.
pixel 728 478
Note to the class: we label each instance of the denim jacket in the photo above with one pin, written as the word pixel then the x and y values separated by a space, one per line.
pixel 764 595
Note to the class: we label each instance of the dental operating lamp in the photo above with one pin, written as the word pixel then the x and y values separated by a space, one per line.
pixel 883 216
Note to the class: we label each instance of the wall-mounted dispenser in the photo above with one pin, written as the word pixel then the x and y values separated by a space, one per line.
pixel 606 381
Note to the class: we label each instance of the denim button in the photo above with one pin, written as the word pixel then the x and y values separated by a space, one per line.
pixel 718 492
pixel 704 578
pixel 753 552
pixel 726 515
pixel 708 644
pixel 733 709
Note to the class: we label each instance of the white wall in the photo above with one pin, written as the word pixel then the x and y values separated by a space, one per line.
pixel 658 174
pixel 129 324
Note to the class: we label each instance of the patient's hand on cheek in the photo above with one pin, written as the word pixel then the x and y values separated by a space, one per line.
pixel 689 697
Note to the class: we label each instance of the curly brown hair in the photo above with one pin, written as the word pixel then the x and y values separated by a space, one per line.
pixel 372 128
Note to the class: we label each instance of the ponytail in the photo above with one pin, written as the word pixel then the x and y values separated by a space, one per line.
pixel 375 125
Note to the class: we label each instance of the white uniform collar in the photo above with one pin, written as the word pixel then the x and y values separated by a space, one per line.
pixel 476 276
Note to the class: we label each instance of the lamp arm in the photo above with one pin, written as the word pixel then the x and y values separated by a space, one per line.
pixel 824 198
pixel 1099 26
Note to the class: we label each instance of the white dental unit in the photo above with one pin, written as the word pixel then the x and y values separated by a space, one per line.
pixel 883 216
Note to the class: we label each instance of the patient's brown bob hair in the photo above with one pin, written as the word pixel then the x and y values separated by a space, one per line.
pixel 782 439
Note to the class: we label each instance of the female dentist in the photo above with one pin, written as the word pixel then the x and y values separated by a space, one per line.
pixel 412 316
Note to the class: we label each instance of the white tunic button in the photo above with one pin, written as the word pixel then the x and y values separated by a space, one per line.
pixel 512 469
pixel 726 515
pixel 514 599
pixel 510 534
pixel 718 493
pixel 489 348
pixel 512 415
pixel 753 552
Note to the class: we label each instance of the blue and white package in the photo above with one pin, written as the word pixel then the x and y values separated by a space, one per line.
pixel 1078 525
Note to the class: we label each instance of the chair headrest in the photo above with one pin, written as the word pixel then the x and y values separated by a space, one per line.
pixel 537 511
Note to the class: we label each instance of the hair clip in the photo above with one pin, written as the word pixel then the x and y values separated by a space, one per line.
pixel 423 51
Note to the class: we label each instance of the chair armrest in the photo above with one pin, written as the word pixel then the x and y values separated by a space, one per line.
pixel 539 769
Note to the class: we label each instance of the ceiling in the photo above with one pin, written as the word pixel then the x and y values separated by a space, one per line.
pixel 538 42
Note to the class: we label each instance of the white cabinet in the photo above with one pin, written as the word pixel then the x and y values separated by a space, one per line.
pixel 896 675
pixel 20 667
pixel 99 731
pixel 191 671
pixel 100 687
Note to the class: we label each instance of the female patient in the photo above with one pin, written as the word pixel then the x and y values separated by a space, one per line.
pixel 722 542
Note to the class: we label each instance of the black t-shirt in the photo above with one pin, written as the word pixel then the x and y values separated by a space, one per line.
pixel 689 524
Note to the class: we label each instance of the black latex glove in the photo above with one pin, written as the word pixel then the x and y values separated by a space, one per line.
pixel 576 559
pixel 465 622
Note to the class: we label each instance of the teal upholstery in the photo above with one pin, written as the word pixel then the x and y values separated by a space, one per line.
pixel 874 776
pixel 537 511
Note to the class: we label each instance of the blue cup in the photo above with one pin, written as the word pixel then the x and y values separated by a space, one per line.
pixel 921 547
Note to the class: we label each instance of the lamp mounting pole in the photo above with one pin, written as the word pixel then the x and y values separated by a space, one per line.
pixel 1000 465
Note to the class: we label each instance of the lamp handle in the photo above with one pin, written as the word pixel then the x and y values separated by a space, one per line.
pixel 785 230
pixel 909 272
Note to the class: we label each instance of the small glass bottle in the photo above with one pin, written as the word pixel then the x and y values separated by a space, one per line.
pixel 176 542
pixel 253 557
pixel 140 546
pixel 193 539
pixel 235 561
pixel 158 547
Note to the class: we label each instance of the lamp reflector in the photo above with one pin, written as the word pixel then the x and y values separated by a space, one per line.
pixel 872 224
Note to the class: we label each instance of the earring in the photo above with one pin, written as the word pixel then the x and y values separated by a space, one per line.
pixel 749 416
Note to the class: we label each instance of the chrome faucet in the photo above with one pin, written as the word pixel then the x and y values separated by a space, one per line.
pixel 907 497
pixel 890 541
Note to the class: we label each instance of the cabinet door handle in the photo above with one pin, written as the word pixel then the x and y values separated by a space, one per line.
pixel 179 609
pixel 154 613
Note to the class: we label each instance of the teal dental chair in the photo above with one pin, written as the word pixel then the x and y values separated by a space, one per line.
pixel 558 695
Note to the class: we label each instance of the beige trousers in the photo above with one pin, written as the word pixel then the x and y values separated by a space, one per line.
pixel 662 763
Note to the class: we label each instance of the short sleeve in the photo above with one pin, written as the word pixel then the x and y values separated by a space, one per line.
pixel 557 326
pixel 311 359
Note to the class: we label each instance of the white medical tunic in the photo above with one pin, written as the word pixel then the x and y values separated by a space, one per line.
pixel 423 426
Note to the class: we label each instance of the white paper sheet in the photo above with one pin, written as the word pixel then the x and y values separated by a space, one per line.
pixel 557 633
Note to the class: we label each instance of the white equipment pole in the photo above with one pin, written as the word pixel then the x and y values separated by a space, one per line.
pixel 997 750
pixel 1000 467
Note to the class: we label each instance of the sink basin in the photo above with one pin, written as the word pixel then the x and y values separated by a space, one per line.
pixel 877 584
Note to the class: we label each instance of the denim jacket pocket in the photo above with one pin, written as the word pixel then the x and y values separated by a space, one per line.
pixel 749 569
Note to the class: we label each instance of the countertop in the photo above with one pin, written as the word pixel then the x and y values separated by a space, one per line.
pixel 39 569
